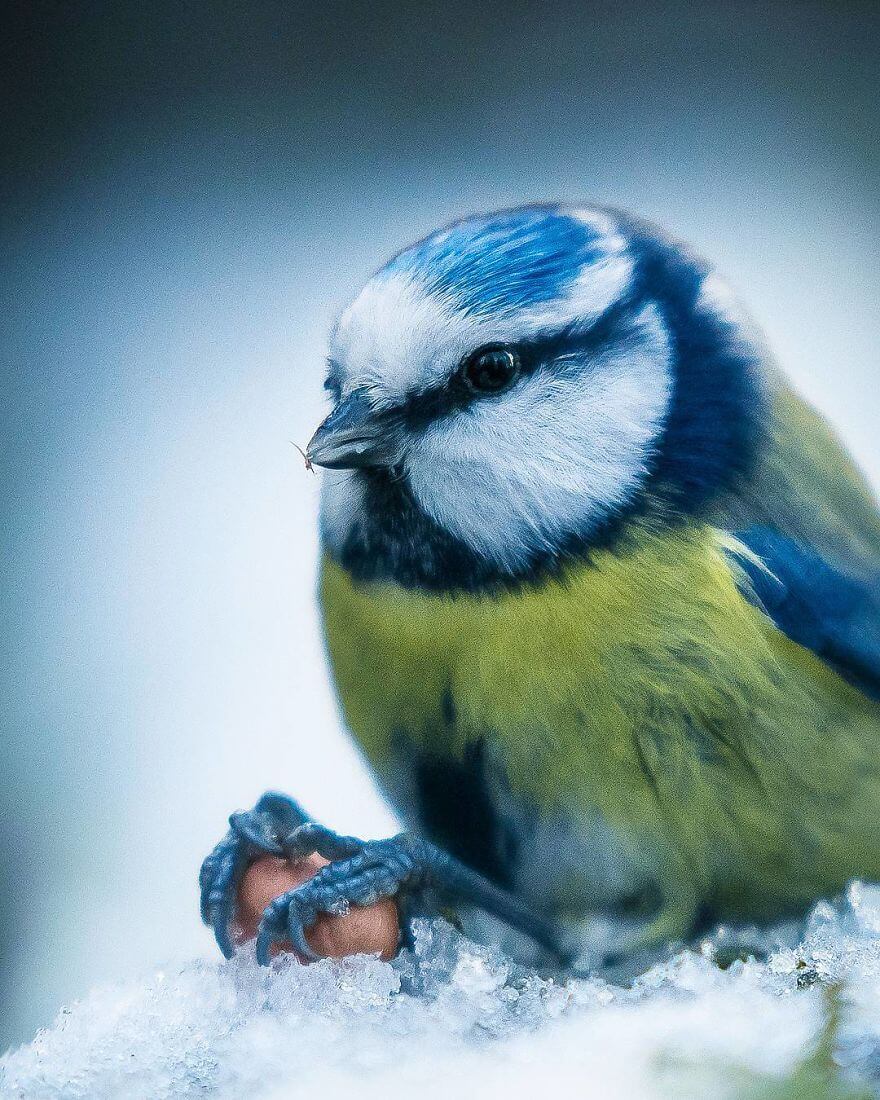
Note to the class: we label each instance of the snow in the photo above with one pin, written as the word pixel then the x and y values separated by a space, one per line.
pixel 454 1014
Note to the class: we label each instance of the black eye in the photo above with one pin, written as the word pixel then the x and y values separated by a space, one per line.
pixel 490 369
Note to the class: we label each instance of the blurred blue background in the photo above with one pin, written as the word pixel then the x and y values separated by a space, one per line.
pixel 191 191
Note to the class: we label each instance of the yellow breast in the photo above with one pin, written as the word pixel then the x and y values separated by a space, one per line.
pixel 569 670
pixel 642 689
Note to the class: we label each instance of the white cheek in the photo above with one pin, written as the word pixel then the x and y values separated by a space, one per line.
pixel 515 474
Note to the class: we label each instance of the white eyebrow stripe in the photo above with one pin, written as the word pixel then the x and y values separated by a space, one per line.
pixel 397 336
pixel 602 224
pixel 591 295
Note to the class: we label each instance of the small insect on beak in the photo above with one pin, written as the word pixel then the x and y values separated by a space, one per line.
pixel 353 436
pixel 306 459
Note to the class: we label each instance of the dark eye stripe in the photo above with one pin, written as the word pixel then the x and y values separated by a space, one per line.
pixel 573 339
pixel 418 410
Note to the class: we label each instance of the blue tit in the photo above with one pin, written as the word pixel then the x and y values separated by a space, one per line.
pixel 600 597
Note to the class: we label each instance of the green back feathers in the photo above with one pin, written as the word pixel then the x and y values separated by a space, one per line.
pixel 808 487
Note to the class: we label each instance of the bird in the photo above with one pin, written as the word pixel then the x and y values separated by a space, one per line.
pixel 600 597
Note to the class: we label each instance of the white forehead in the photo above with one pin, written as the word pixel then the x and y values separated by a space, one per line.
pixel 400 336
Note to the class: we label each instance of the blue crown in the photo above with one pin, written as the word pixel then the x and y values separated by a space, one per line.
pixel 505 261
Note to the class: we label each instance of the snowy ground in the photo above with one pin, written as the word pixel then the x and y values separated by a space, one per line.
pixel 804 1024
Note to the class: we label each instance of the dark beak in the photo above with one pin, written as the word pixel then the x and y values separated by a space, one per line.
pixel 353 436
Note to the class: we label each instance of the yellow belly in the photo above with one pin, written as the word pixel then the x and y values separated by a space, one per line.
pixel 641 690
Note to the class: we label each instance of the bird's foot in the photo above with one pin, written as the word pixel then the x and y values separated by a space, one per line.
pixel 403 867
pixel 266 829
pixel 360 873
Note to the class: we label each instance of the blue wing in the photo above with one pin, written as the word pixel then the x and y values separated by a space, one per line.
pixel 817 605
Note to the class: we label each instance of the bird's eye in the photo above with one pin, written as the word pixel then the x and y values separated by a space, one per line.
pixel 490 369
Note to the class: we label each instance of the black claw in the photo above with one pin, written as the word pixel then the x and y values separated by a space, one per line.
pixel 297 933
pixel 264 941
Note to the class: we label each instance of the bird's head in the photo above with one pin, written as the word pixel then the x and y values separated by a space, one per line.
pixel 508 390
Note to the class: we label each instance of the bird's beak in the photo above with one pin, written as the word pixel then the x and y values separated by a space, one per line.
pixel 352 436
